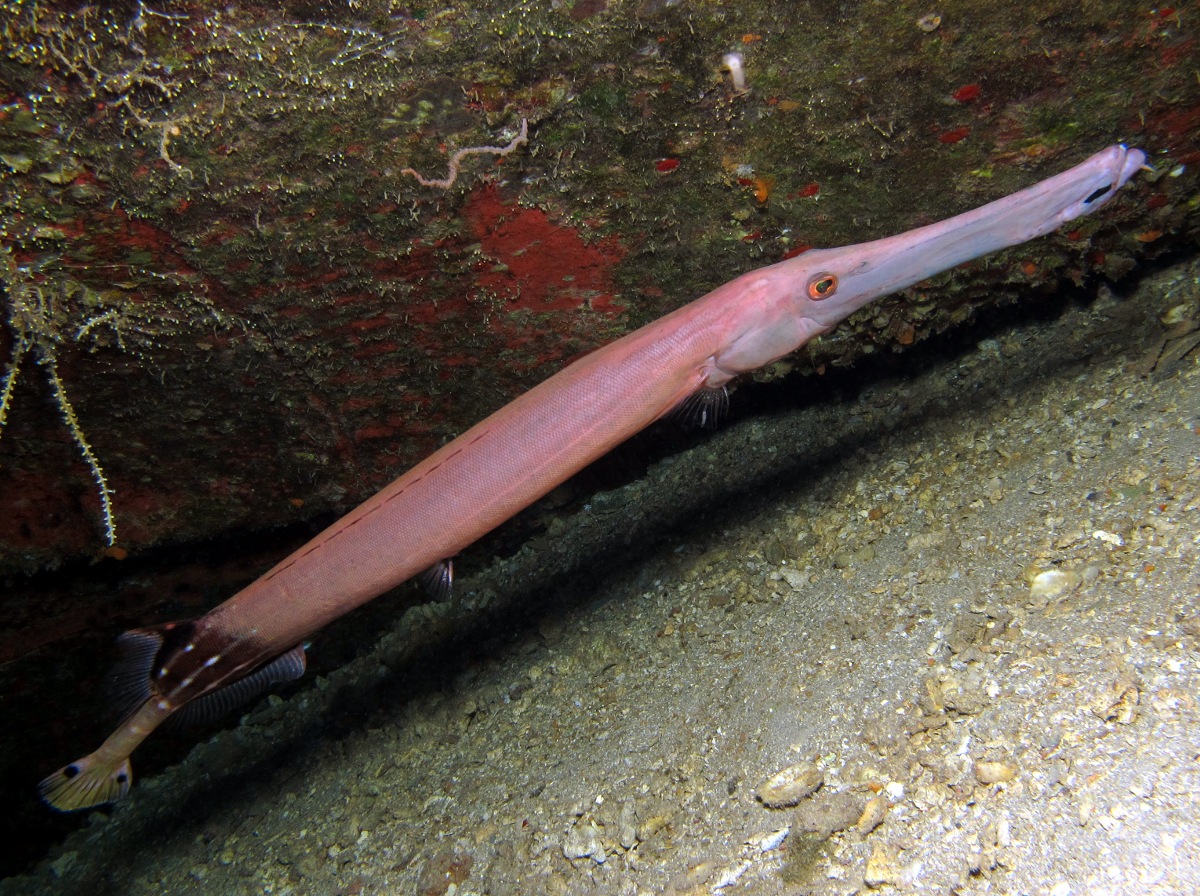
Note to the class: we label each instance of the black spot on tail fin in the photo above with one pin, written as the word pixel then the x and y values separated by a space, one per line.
pixel 438 581
pixel 85 783
pixel 703 409
pixel 285 667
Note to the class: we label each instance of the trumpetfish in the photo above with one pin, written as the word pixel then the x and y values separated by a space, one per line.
pixel 522 451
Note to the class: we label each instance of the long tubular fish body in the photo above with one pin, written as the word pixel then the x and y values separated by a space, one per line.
pixel 518 454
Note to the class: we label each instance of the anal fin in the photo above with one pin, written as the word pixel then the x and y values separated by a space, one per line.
pixel 286 667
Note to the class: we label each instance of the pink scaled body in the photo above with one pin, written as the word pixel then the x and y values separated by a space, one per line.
pixel 528 447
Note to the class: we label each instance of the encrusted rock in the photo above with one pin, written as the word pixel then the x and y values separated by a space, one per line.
pixel 789 786
pixel 583 841
pixel 872 815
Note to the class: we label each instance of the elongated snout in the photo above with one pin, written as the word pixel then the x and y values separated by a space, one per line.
pixel 843 280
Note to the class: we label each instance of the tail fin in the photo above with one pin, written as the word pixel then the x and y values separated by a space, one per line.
pixel 86 782
pixel 104 776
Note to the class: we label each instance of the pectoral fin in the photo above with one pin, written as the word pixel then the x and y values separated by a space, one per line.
pixel 703 409
pixel 438 581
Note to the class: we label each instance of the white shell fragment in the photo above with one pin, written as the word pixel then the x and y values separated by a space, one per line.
pixel 1054 583
pixel 991 772
pixel 788 787
pixel 768 842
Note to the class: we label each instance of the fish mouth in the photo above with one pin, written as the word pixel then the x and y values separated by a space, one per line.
pixel 1103 174
pixel 1133 162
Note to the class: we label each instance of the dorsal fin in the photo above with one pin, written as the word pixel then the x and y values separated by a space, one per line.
pixel 438 580
pixel 129 684
pixel 286 667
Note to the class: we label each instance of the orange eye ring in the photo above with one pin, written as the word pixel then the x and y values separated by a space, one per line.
pixel 822 286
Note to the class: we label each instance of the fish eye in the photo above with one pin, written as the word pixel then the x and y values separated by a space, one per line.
pixel 822 285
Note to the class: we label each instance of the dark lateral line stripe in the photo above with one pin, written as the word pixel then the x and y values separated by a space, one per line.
pixel 349 526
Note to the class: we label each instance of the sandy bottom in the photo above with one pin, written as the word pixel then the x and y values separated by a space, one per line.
pixel 960 603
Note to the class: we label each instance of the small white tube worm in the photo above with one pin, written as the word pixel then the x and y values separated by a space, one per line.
pixel 737 71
